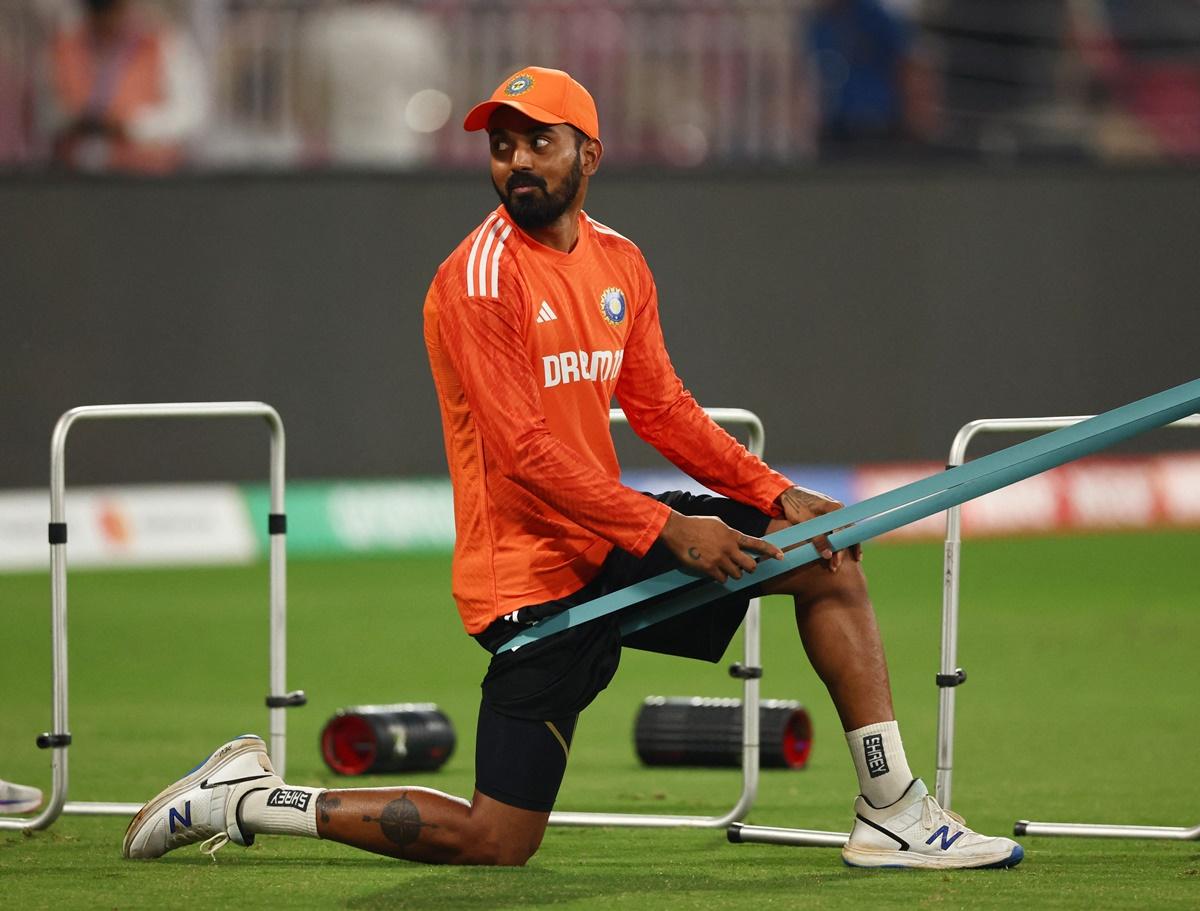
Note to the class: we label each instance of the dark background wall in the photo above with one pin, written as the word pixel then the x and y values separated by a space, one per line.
pixel 864 315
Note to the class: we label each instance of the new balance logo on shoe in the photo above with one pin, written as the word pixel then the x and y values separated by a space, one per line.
pixel 545 314
pixel 944 834
pixel 202 805
pixel 876 758
pixel 184 819
pixel 916 832
pixel 287 797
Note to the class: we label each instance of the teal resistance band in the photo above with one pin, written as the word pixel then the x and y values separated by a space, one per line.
pixel 680 591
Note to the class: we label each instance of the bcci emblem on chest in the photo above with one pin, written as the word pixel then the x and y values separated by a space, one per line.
pixel 612 305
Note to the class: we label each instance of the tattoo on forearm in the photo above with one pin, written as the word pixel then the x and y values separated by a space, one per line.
pixel 325 803
pixel 694 553
pixel 401 822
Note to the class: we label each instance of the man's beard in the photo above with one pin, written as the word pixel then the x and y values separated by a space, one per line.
pixel 540 210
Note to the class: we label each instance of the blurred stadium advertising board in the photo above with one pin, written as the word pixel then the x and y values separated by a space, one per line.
pixel 131 526
pixel 198 524
pixel 1096 494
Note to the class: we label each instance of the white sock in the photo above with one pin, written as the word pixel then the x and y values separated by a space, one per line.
pixel 287 810
pixel 883 774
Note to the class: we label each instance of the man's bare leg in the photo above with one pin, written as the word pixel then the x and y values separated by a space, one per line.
pixel 430 827
pixel 235 795
pixel 837 626
pixel 841 638
pixel 897 822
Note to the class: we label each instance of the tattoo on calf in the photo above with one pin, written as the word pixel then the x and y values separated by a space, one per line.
pixel 325 803
pixel 401 822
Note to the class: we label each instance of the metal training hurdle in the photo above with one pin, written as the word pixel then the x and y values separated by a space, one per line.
pixel 59 738
pixel 950 676
pixel 749 672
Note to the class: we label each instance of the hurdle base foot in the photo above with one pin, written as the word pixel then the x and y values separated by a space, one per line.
pixel 1097 830
pixel 740 834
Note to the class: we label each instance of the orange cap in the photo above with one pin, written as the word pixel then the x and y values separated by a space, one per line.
pixel 547 96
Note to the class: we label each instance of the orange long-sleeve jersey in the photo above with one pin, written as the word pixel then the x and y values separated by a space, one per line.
pixel 528 346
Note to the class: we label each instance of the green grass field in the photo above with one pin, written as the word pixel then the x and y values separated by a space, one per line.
pixel 1081 706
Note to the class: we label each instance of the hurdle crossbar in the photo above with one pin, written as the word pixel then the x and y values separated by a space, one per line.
pixel 749 672
pixel 950 676
pixel 59 738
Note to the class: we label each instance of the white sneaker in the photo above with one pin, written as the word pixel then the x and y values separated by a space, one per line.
pixel 18 798
pixel 202 806
pixel 916 832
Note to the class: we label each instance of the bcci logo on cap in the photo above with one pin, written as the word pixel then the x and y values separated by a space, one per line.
pixel 612 305
pixel 519 85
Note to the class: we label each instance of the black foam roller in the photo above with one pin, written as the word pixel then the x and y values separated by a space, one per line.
pixel 372 739
pixel 697 731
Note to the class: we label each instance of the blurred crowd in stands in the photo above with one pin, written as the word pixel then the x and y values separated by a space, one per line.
pixel 155 86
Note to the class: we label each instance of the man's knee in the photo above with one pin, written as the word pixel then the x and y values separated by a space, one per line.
pixel 851 577
pixel 498 851
pixel 814 582
pixel 502 835
pixel 510 855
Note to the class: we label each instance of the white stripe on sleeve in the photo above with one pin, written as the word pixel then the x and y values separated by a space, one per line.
pixel 496 262
pixel 483 256
pixel 471 259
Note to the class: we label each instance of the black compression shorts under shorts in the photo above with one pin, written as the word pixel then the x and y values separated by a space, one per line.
pixel 539 689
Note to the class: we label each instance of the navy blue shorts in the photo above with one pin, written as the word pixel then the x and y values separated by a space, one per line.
pixel 542 687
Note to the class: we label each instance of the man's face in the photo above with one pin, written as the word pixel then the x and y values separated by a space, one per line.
pixel 537 168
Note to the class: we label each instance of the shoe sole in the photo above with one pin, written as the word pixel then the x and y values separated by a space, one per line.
pixel 905 860
pixel 223 756
pixel 20 806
